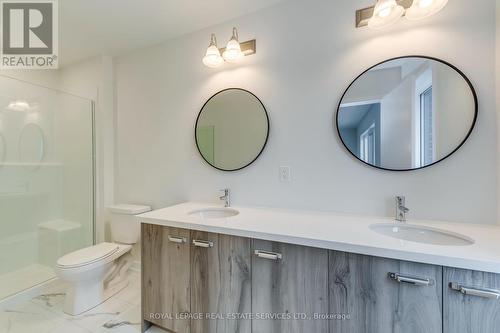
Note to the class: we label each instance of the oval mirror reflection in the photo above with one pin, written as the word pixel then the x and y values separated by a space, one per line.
pixel 232 129
pixel 407 113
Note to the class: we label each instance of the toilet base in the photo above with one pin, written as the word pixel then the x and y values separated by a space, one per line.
pixel 86 295
pixel 83 297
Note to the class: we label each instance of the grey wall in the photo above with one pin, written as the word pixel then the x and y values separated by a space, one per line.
pixel 350 138
pixel 371 117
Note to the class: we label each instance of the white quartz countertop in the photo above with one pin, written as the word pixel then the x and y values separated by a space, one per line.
pixel 340 232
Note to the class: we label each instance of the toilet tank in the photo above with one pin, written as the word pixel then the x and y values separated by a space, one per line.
pixel 125 228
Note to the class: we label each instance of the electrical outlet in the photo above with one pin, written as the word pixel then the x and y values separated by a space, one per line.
pixel 285 175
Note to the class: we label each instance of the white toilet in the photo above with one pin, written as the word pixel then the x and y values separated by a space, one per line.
pixel 98 272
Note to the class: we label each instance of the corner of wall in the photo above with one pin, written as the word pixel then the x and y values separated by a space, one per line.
pixel 106 144
pixel 497 94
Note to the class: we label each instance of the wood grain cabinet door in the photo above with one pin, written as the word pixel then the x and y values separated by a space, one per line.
pixel 367 298
pixel 220 283
pixel 288 283
pixel 165 277
pixel 470 301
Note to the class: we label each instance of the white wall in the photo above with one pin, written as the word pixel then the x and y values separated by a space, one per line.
pixel 452 102
pixel 395 126
pixel 308 53
pixel 46 78
pixel 93 79
pixel 374 85
pixel 497 93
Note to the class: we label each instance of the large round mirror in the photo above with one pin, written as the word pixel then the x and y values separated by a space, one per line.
pixel 232 129
pixel 31 144
pixel 407 113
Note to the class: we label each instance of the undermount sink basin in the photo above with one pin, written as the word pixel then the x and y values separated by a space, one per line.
pixel 214 213
pixel 422 234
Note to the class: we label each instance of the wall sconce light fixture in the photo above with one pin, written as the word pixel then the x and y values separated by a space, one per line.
pixel 212 57
pixel 388 12
pixel 232 53
pixel 424 8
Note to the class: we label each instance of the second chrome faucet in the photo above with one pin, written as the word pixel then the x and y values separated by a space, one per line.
pixel 226 197
pixel 401 209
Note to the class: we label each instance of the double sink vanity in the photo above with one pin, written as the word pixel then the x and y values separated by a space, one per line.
pixel 209 269
pixel 244 269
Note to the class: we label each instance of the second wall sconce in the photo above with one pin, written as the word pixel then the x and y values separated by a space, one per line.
pixel 232 53
pixel 388 12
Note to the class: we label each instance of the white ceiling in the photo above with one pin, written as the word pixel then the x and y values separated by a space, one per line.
pixel 92 27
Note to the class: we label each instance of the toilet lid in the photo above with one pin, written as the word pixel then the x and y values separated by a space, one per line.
pixel 87 255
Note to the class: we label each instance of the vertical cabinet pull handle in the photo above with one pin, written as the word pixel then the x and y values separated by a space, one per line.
pixel 203 243
pixel 177 239
pixel 416 281
pixel 268 255
pixel 473 291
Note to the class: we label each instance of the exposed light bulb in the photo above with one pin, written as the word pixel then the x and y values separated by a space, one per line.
pixel 385 13
pixel 425 3
pixel 212 57
pixel 233 49
pixel 424 8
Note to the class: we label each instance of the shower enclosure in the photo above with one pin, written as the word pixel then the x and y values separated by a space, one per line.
pixel 46 181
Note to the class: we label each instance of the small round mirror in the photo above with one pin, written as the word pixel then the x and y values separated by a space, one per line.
pixel 232 129
pixel 31 144
pixel 407 113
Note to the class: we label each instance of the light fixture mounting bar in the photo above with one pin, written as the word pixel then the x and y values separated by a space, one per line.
pixel 248 48
pixel 365 14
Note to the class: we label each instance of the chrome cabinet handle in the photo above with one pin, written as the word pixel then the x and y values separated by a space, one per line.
pixel 203 243
pixel 268 255
pixel 176 239
pixel 473 291
pixel 416 281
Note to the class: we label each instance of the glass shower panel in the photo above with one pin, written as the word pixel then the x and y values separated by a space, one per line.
pixel 46 181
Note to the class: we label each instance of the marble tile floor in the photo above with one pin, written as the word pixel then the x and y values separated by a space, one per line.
pixel 16 281
pixel 44 314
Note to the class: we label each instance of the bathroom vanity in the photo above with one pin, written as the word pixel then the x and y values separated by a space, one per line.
pixel 266 270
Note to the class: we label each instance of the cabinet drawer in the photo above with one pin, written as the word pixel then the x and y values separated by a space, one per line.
pixel 166 277
pixel 220 282
pixel 470 301
pixel 380 295
pixel 289 280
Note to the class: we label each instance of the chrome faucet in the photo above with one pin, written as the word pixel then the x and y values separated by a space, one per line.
pixel 401 209
pixel 226 197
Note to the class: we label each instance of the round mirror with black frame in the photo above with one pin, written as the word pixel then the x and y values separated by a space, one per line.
pixel 232 129
pixel 407 113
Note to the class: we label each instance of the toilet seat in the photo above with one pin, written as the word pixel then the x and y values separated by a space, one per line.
pixel 88 255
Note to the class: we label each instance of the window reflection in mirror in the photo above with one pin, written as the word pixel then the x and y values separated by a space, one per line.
pixel 407 113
